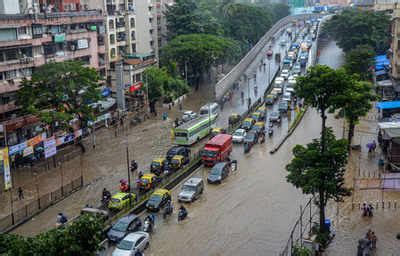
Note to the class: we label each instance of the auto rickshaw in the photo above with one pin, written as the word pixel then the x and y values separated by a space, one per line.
pixel 257 116
pixel 217 130
pixel 176 163
pixel 248 123
pixel 157 166
pixel 233 119
pixel 147 182
pixel 259 126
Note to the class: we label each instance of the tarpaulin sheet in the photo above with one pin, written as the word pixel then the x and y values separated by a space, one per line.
pixel 388 104
pixel 391 129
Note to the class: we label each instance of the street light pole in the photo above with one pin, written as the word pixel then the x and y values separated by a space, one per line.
pixel 129 174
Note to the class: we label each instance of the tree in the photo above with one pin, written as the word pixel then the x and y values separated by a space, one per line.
pixel 354 27
pixel 82 237
pixel 320 172
pixel 163 85
pixel 359 61
pixel 320 88
pixel 59 92
pixel 196 53
pixel 186 17
pixel 277 10
pixel 246 23
pixel 355 103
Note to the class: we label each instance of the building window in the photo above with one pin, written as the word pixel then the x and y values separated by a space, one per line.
pixel 133 48
pixel 112 53
pixel 112 39
pixel 138 77
pixel 22 31
pixel 133 36
pixel 11 74
pixel 132 22
pixel 151 43
pixel 111 24
pixel 11 54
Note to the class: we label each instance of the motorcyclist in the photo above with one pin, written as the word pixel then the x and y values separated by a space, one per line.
pixel 134 165
pixel 123 186
pixel 106 195
pixel 182 210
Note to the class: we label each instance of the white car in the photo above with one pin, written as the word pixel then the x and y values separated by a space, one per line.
pixel 287 96
pixel 289 89
pixel 285 73
pixel 238 135
pixel 188 115
pixel 291 82
pixel 132 243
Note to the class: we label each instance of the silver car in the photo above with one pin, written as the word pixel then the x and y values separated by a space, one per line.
pixel 188 115
pixel 132 243
pixel 238 135
pixel 191 190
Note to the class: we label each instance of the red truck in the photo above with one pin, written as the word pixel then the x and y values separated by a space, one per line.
pixel 217 149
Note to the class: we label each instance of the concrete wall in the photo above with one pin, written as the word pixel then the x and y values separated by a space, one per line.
pixel 143 36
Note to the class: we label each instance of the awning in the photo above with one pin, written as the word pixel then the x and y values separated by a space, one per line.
pixel 391 129
pixel 388 105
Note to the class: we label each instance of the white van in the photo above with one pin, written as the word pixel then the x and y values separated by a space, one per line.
pixel 209 109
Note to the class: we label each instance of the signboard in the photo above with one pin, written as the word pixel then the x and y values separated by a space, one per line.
pixel 136 86
pixel 50 147
pixel 28 151
pixel 17 148
pixel 5 167
pixel 69 137
pixel 34 141
pixel 82 44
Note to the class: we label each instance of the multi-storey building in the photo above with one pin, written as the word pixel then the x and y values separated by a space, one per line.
pixel 161 8
pixel 31 40
pixel 130 34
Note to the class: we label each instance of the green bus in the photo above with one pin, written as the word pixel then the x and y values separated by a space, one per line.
pixel 194 130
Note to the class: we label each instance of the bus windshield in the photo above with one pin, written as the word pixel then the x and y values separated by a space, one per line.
pixel 181 134
pixel 209 153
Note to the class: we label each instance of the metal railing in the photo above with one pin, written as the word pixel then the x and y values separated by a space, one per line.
pixel 302 229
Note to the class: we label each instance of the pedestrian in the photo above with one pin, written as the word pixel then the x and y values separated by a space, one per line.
pixel 140 174
pixel 369 235
pixel 373 240
pixel 373 146
pixel 180 105
pixel 20 193
pixel 176 122
pixel 364 209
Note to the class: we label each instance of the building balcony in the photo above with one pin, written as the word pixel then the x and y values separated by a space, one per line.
pixel 4 108
pixel 10 85
pixel 17 64
pixel 32 41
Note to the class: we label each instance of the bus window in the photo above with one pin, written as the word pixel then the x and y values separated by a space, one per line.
pixel 180 134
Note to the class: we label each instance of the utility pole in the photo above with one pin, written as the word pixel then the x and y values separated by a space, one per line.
pixel 120 86
pixel 129 173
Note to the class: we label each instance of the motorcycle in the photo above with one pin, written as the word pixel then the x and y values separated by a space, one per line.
pixel 262 138
pixel 148 226
pixel 247 147
pixel 105 200
pixel 167 211
pixel 270 132
pixel 182 214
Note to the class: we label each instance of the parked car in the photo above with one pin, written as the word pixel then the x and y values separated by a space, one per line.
pixel 285 73
pixel 123 226
pixel 238 135
pixel 188 115
pixel 219 172
pixel 132 243
pixel 158 199
pixel 191 190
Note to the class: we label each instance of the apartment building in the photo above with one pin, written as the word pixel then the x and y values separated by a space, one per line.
pixel 31 40
pixel 161 8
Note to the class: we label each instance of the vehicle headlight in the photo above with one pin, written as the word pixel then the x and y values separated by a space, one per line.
pixel 219 177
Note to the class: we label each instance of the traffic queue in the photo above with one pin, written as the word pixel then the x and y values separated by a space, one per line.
pixel 129 233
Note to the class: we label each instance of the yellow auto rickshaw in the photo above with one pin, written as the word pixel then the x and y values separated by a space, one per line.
pixel 248 123
pixel 157 166
pixel 176 163
pixel 217 130
pixel 262 110
pixel 257 116
pixel 233 119
pixel 259 126
pixel 147 182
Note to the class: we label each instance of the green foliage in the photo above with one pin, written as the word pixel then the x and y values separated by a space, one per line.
pixel 321 86
pixel 299 250
pixel 82 237
pixel 359 61
pixel 318 169
pixel 355 103
pixel 354 27
pixel 199 52
pixel 246 23
pixel 277 10
pixel 59 92
pixel 186 17
pixel 162 84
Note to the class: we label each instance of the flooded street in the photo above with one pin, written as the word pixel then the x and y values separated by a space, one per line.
pixel 250 213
